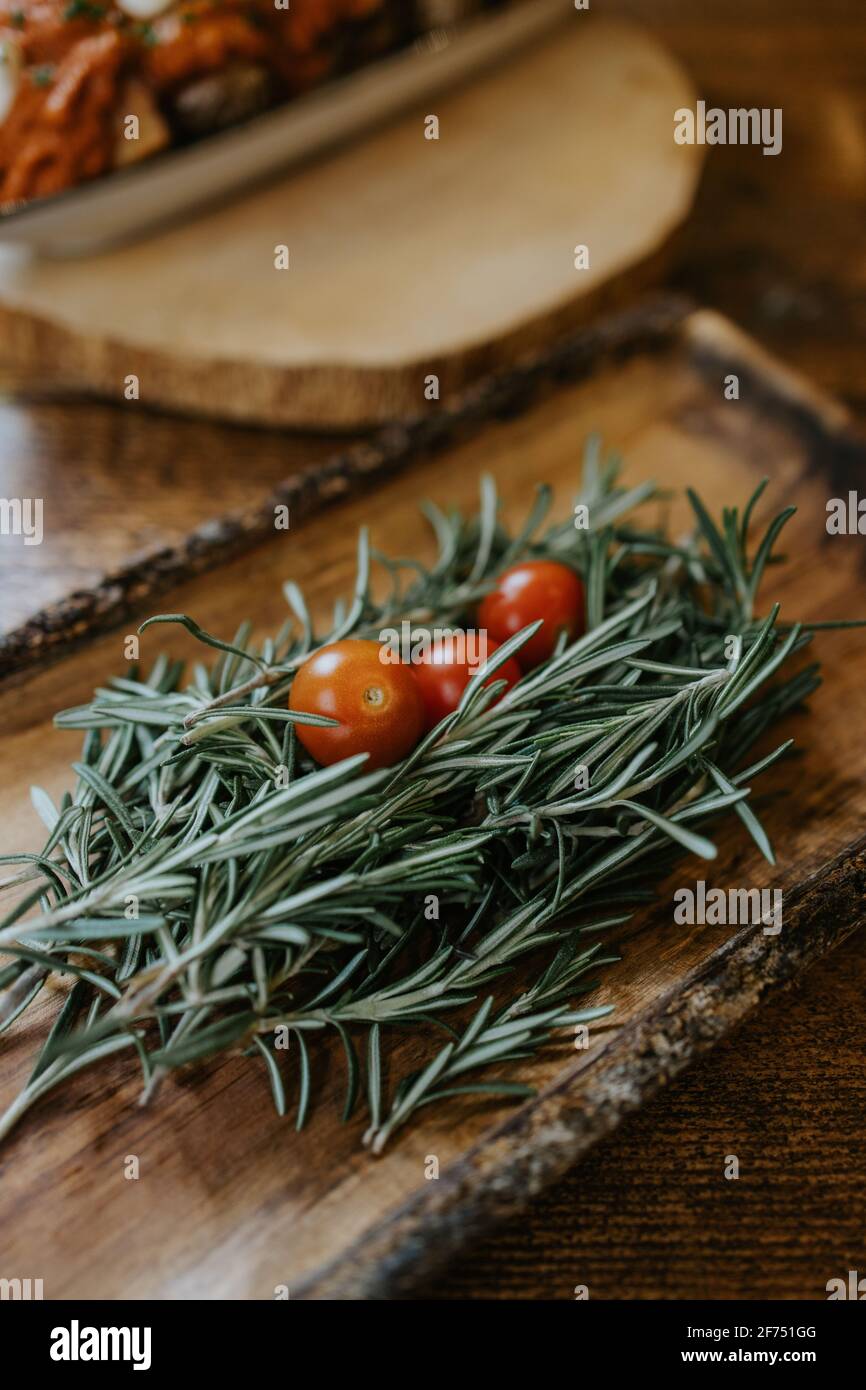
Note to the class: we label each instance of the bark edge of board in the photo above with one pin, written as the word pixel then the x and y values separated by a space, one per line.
pixel 533 1148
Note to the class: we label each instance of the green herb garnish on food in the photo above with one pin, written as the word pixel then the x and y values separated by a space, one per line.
pixel 147 34
pixel 84 9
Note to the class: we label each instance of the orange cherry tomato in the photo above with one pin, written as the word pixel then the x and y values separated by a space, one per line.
pixel 535 589
pixel 378 704
pixel 444 673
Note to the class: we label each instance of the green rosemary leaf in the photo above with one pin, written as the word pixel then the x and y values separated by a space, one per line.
pixel 97 929
pixel 107 795
pixel 225 1032
pixel 749 773
pixel 747 513
pixel 200 635
pixel 476 1025
pixel 765 550
pixel 746 814
pixel 353 1071
pixel 248 714
pixel 304 1093
pixel 65 1021
pixel 374 1078
pixel 506 1089
pixel 277 1089
pixel 21 991
pixel 727 561
pixel 334 986
pixel 44 807
pixel 486 529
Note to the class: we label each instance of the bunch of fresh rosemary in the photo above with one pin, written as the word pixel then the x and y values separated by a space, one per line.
pixel 206 888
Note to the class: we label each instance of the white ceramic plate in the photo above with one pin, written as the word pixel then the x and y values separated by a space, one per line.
pixel 127 202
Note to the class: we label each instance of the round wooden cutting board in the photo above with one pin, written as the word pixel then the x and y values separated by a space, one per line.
pixel 408 257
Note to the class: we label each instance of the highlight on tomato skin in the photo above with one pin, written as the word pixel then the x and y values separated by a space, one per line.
pixel 445 670
pixel 378 704
pixel 530 590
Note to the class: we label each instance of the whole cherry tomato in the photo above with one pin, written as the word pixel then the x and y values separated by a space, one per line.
pixel 444 673
pixel 378 704
pixel 534 589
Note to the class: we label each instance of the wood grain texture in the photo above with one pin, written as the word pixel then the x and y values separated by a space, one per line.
pixel 164 495
pixel 127 498
pixel 408 256
pixel 502 1172
pixel 778 245
pixel 231 1202
pixel 649 1212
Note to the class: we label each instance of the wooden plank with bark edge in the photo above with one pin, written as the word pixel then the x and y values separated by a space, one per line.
pixel 231 1202
pixel 313 483
pixel 407 256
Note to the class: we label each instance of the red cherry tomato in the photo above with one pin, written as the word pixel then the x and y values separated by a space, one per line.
pixel 531 590
pixel 378 704
pixel 444 673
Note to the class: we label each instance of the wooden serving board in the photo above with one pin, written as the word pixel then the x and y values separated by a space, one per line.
pixel 231 1202
pixel 406 256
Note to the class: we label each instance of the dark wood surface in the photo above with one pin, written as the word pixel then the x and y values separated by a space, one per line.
pixel 650 1214
pixel 313 1209
pixel 778 245
pixel 232 1202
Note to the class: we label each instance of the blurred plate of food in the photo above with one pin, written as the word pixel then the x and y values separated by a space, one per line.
pixel 118 115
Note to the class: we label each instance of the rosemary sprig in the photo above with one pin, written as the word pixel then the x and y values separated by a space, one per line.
pixel 206 888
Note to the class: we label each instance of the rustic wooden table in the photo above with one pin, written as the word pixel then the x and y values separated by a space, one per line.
pixel 649 1213
pixel 778 245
